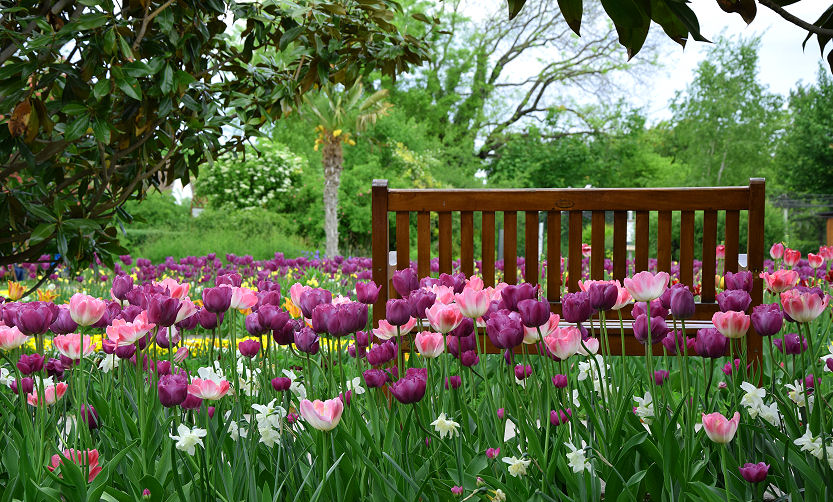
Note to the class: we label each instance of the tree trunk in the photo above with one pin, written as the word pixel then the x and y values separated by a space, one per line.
pixel 332 161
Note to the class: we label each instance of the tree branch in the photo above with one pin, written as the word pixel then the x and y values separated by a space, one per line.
pixel 146 21
pixel 796 20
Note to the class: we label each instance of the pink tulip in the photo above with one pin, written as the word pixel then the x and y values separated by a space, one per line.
pixel 444 318
pixel 475 283
pixel 646 286
pixel 175 289
pixel 186 310
pixel 719 428
pixel 208 389
pixel 624 297
pixel 322 415
pixel 295 292
pixel 444 294
pixel 720 252
pixel 124 333
pixel 815 260
pixel 731 324
pixel 386 330
pixel 181 354
pixel 531 334
pixel 86 310
pixel 803 306
pixel 70 345
pixel 791 257
pixel 11 338
pixel 564 342
pixel 585 250
pixel 429 344
pixel 592 347
pixel 473 303
pixel 51 394
pixel 77 457
pixel 243 298
pixel 777 251
pixel 826 252
pixel 780 280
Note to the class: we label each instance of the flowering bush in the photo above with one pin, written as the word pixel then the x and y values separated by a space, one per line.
pixel 223 389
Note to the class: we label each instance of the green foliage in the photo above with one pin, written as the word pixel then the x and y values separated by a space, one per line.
pixel 259 178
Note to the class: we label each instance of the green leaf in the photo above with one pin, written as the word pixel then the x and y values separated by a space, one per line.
pixel 515 7
pixel 289 36
pixel 632 22
pixel 130 86
pixel 89 21
pixel 101 131
pixel 77 128
pixel 572 11
pixel 101 89
pixel 670 23
pixel 167 79
pixel 125 49
pixel 74 109
pixel 688 18
pixel 41 233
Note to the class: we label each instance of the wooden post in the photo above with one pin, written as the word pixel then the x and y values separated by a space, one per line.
pixel 379 211
pixel 755 264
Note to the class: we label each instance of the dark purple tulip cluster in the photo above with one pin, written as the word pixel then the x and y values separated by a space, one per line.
pixel 504 329
pixel 767 319
pixel 339 320
pixel 410 388
pixel 710 343
pixel 790 344
pixel 382 353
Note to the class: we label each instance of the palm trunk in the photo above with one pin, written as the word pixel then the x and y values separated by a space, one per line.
pixel 332 161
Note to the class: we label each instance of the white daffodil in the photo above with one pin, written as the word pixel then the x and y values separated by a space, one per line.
pixel 810 444
pixel 269 436
pixel 499 496
pixel 109 363
pixel 576 459
pixel 295 387
pixel 188 438
pixel 214 374
pixel 517 466
pixel 269 415
pixel 754 397
pixel 769 413
pixel 5 377
pixel 445 427
pixel 796 394
pixel 235 432
pixel 644 407
pixel 355 385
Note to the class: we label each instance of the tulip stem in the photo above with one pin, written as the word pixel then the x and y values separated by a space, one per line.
pixel 622 355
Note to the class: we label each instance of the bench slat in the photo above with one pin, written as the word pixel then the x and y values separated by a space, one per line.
pixel 487 237
pixel 664 241
pixel 642 242
pixel 531 245
pixel 554 256
pixel 510 247
pixel 467 243
pixel 423 243
pixel 732 236
pixel 403 242
pixel 620 245
pixel 445 242
pixel 687 248
pixel 709 255
pixel 597 246
pixel 574 251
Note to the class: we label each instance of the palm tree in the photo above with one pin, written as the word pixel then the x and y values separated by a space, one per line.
pixel 339 115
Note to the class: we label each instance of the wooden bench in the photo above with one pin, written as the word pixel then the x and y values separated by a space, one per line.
pixel 572 204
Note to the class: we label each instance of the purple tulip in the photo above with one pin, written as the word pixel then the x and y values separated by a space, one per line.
pixel 734 299
pixel 419 300
pixel 829 363
pixel 208 319
pixel 398 312
pixel 307 341
pixel 410 388
pixel 285 335
pixel 664 301
pixel 311 298
pixel 767 319
pixel 559 417
pixel 754 473
pixel 249 348
pixel 674 340
pixel 28 364
pixel 137 297
pixel 90 417
pixel 27 385
pixel 253 326
pixel 268 298
pixel 266 285
pixel 9 311
pixel 122 284
pixel 405 281
pixel 738 281
pixel 281 384
pixel 504 329
pixel 660 376
pixel 272 317
pixel 469 358
pixel 559 381
pixel 459 344
pixel 163 368
pixel 125 351
pixel 375 378
pixel 603 295
pixel 162 310
pixel 191 401
pixel 657 309
pixel 658 329
pixel 454 381
pixel 362 339
pixel 464 329
pixel 128 313
pixel 165 339
pixel 382 353
pixel 682 303
pixel 534 313
pixel 233 279
pixel 790 344
pixel 34 318
pixel 575 307
pixel 173 390
pixel 55 369
pixel 522 372
pixel 216 300
pixel 512 295
pixel 367 292
pixel 710 343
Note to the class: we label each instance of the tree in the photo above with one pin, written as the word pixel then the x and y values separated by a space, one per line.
pixel 339 115
pixel 726 123
pixel 108 100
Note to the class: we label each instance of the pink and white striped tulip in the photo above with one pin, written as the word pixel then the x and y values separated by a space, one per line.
pixel 243 298
pixel 815 260
pixel 645 286
pixel 386 330
pixel 564 342
pixel 777 251
pixel 475 283
pixel 444 294
pixel 186 309
pixel 791 257
pixel 531 334
pixel 71 345
pixel 473 303
pixel 175 289
pixel 295 292
pixel 51 394
pixel 322 415
pixel 719 428
pixel 429 344
pixel 589 346
pixel 208 389
pixel 86 310
pixel 803 306
pixel 124 333
pixel 623 298
pixel 444 318
pixel 780 280
pixel 731 324
pixel 11 338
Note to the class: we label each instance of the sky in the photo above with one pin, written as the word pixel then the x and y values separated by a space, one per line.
pixel 782 62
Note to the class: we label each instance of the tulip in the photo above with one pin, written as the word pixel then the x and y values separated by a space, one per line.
pixel 522 372
pixel 405 281
pixel 63 323
pixel 444 318
pixel 175 289
pixel 429 344
pixel 398 312
pixel 469 358
pixel 732 324
pixel 501 413
pixel 512 295
pixel 531 335
pixel 791 257
pixel 473 302
pixel 253 326
pixel 51 394
pixel 575 307
pixel 560 417
pixel 754 473
pixel 777 251
pixel 126 351
pixel 268 298
pixel 28 364
pixel 719 428
pixel 86 310
pixel 242 298
pixel 815 260
pixel 420 300
pixel 492 452
pixel 674 340
pixel 375 378
pixel 11 338
pixel 767 319
pixel 660 376
pixel 559 381
pixel 162 310
pixel 122 284
pixel 803 306
pixel 738 281
pixel 780 280
pixel 504 329
pixel 657 308
pixel 682 303
pixel 410 388
pixel 216 300
pixel 603 295
pixel 728 369
pixel 386 330
pixel 710 343
pixel 790 344
pixel 27 385
pixel 234 280
pixel 658 329
pixel 322 415
pixel 645 286
pixel 208 319
pixel 34 318
pixel 71 345
pixel 624 297
pixel 588 346
pixel 77 457
pixel 367 292
pixel 381 353
pixel 563 342
pixel 164 338
pixel 90 417
pixel 191 402
pixel 208 389
pixel 307 341
pixel 534 313
pixel 249 348
pixel 281 384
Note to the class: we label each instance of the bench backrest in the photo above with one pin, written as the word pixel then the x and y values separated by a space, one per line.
pixel 572 203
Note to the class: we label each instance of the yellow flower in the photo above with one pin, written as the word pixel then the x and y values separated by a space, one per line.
pixel 245 311
pixel 16 291
pixel 47 296
pixel 290 307
pixel 198 302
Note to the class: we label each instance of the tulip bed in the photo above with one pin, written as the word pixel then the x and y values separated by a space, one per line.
pixel 187 388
